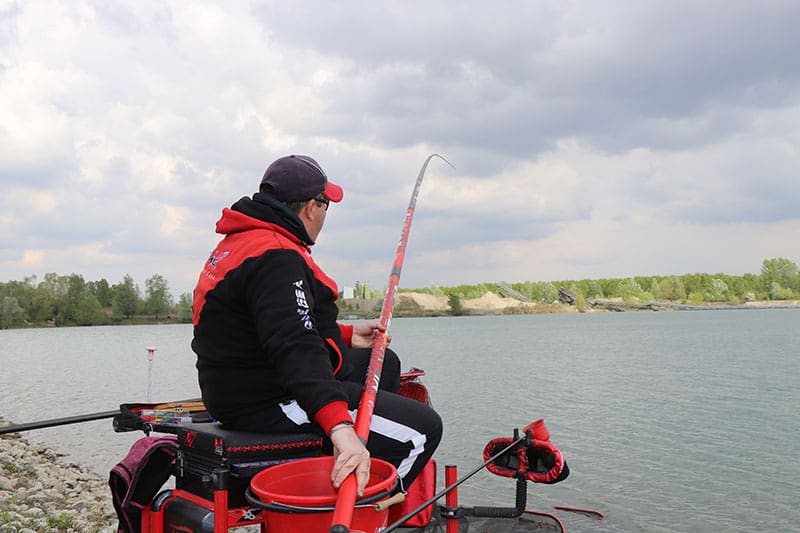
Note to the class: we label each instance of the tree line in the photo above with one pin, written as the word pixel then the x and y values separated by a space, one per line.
pixel 71 301
pixel 779 280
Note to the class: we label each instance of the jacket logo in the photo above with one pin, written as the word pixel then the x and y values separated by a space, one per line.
pixel 302 305
pixel 214 259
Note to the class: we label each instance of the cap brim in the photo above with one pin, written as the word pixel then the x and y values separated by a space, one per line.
pixel 333 192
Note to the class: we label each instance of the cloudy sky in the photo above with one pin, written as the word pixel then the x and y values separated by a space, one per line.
pixel 590 139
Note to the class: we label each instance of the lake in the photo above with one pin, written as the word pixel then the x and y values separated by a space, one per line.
pixel 670 421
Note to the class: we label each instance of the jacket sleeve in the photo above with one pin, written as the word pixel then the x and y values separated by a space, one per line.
pixel 347 333
pixel 281 296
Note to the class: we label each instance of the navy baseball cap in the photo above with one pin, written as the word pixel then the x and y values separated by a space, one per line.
pixel 295 178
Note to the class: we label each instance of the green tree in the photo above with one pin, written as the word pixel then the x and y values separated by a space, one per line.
pixel 593 289
pixel 362 290
pixel 184 308
pixel 102 291
pixel 629 289
pixel 11 313
pixel 52 292
pixel 542 291
pixel 670 288
pixel 696 298
pixel 454 301
pixel 158 299
pixel 781 271
pixel 777 292
pixel 42 305
pixel 694 283
pixel 749 283
pixel 76 292
pixel 126 298
pixel 717 291
pixel 580 303
pixel 89 312
pixel 23 291
pixel 436 291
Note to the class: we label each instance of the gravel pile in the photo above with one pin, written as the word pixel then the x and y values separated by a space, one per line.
pixel 40 494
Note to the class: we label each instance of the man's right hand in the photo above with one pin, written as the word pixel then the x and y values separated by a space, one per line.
pixel 350 455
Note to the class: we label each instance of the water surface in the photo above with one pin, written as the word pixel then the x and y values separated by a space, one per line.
pixel 672 421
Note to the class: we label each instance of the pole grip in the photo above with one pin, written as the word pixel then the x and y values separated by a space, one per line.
pixel 345 504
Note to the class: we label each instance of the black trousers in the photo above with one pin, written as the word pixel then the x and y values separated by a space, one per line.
pixel 356 362
pixel 403 431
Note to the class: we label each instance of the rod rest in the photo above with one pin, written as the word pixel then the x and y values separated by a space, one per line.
pixel 504 512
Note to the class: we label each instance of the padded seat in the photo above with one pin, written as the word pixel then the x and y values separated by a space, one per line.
pixel 210 457
pixel 211 439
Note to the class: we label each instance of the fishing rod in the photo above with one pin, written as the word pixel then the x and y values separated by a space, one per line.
pixel 76 419
pixel 58 422
pixel 346 498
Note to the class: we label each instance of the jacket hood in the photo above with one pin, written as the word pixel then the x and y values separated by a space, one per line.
pixel 261 212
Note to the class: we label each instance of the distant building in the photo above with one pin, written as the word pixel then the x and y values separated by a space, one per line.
pixel 346 293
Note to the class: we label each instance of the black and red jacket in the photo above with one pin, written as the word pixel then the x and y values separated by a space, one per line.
pixel 265 327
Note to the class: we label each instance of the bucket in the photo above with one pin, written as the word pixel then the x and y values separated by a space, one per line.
pixel 305 485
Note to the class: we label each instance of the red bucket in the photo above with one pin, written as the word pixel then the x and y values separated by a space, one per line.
pixel 305 485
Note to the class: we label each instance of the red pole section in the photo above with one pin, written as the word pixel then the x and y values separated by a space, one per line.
pixel 346 498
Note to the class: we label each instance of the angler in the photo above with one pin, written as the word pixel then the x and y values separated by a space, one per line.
pixel 271 356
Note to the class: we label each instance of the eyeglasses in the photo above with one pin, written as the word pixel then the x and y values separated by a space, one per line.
pixel 320 199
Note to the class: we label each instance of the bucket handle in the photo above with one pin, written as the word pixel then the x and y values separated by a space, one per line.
pixel 382 505
pixel 366 502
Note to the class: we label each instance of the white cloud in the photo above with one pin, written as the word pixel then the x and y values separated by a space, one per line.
pixel 589 140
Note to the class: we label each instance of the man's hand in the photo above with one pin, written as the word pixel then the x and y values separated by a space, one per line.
pixel 350 455
pixel 364 334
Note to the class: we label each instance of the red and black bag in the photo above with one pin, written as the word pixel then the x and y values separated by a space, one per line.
pixel 136 480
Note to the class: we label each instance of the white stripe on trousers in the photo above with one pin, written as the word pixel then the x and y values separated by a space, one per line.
pixel 379 425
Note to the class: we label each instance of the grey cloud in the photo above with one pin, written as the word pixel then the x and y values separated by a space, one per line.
pixel 643 74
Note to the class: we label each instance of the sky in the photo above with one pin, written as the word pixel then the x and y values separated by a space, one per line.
pixel 595 139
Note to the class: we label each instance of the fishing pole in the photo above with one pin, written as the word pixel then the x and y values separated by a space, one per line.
pixel 58 422
pixel 184 405
pixel 346 498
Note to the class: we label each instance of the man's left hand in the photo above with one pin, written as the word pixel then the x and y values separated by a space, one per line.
pixel 364 334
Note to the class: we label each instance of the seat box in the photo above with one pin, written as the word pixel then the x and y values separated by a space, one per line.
pixel 211 458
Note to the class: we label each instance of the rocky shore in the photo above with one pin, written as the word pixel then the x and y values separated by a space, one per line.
pixel 39 493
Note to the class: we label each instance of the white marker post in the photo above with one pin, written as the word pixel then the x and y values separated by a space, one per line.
pixel 151 352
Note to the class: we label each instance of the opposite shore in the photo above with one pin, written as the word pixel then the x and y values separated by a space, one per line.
pixel 418 304
pixel 422 304
pixel 72 301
